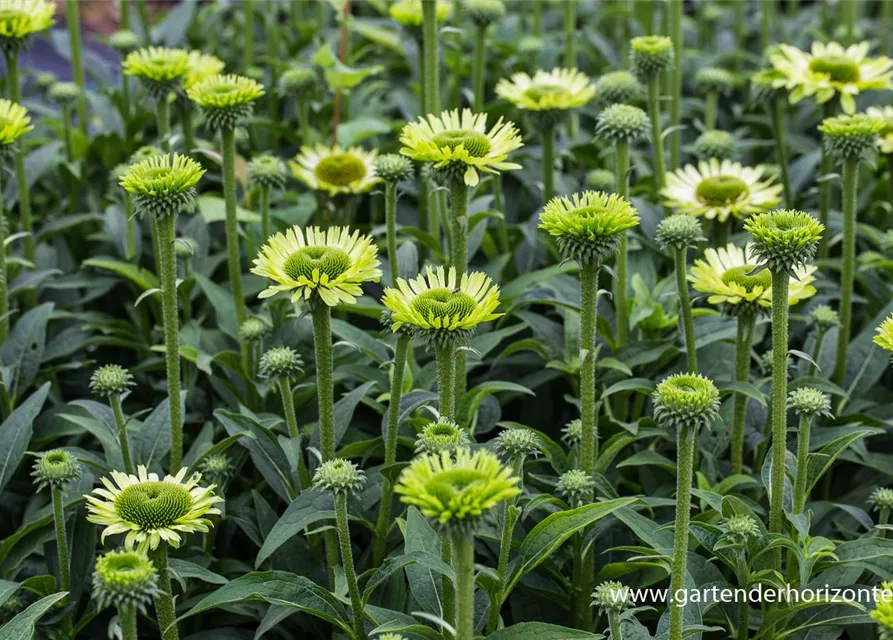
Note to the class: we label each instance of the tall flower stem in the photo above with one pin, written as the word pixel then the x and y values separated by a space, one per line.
pixel 73 18
pixel 272 37
pixel 691 355
pixel 817 350
pixel 121 423
pixel 127 619
pixel 536 17
pixel 548 133
pixel 614 625
pixel 61 539
pixel 304 116
pixel 131 226
pixel 164 598
pixel 170 320
pixel 848 269
pixel 740 30
pixel 588 323
pixel 828 111
pixel 675 24
pixel 463 559
pixel 446 380
pixel 621 186
pixel 685 471
pixel 767 19
pixel 188 128
pixel 68 139
pixel 886 27
pixel 778 410
pixel 291 421
pixel 850 10
pixel 350 574
pixel 390 214
pixel 570 52
pixel 743 341
pixel 266 225
pixel 710 110
pixel 163 122
pixel 14 87
pixel 4 289
pixel 803 434
pixel 228 143
pixel 459 221
pixel 382 525
pixel 777 110
pixel 744 606
pixel 656 139
pixel 248 34
pixel 509 518
pixel 430 57
pixel 480 51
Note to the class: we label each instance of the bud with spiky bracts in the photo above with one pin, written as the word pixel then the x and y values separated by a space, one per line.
pixel 267 171
pixel 163 185
pixel 393 168
pixel 442 435
pixel 619 87
pixel 55 469
pixel 622 122
pixel 111 379
pixel 600 180
pixel 225 100
pixel 715 144
pixel 281 361
pixel 125 580
pixel 650 56
pixel 483 13
pixel 679 232
pixel 576 485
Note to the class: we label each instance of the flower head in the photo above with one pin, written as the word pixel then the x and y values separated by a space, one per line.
pixel 850 136
pixel 280 361
pixel 339 476
pixel 715 144
pixel 65 93
pixel 460 144
pixel 442 306
pixel 160 69
pixel 225 100
pixel 330 264
pixel 335 170
pixel 14 123
pixel 217 466
pixel 201 66
pixel 885 115
pixel 587 226
pixel 456 492
pixel 442 435
pixel 298 81
pixel 809 403
pixel 679 232
pixel 110 380
pixel 267 171
pixel 824 317
pixel 125 579
pixel 718 189
pixel 883 612
pixel 393 168
pixel 409 12
pixel 685 400
pixel 740 528
pixel 483 12
pixel 650 55
pixel 881 498
pixel 830 70
pixel 162 186
pixel 20 19
pixel 572 433
pixel 517 444
pixel 56 469
pixel 254 328
pixel 600 180
pixel 612 596
pixel 714 80
pixel 622 123
pixel 124 41
pixel 784 239
pixel 555 90
pixel 150 510
pixel 730 280
pixel 618 87
pixel 576 485
pixel 884 334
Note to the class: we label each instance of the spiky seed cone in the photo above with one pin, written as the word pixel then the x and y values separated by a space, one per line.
pixel 442 435
pixel 622 123
pixel 267 171
pixel 881 498
pixel 679 232
pixel 619 87
pixel 163 186
pixel 809 403
pixel 824 317
pixel 517 444
pixel 393 168
pixel 650 55
pixel 110 380
pixel 600 180
pixel 483 13
pixel 611 596
pixel 850 136
pixel 572 433
pixel 65 93
pixel 161 70
pixel 254 329
pixel 280 361
pixel 339 476
pixel 784 239
pixel 55 469
pixel 714 80
pixel 685 400
pixel 715 144
pixel 741 528
pixel 576 485
pixel 219 467
pixel 124 579
pixel 21 19
pixel 298 82
pixel 124 41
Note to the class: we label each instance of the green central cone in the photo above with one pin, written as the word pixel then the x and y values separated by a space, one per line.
pixel 741 276
pixel 153 505
pixel 720 191
pixel 475 143
pixel 340 169
pixel 329 260
pixel 838 68
pixel 442 303
pixel 537 92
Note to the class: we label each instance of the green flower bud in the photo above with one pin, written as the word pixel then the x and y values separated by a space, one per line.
pixel 685 400
pixel 850 136
pixel 443 435
pixel 518 444
pixel 619 87
pixel 339 476
pixel 600 180
pixel 45 80
pixel 611 596
pixel 56 469
pixel 124 41
pixel 883 612
pixel 576 485
pixel 267 171
pixel 163 186
pixel 225 100
pixel 622 123
pixel 714 80
pixel 393 168
pixel 483 12
pixel 650 55
pixel 766 363
pixel 740 528
pixel 184 248
pixel 391 636
pixel 784 239
pixel 679 231
pixel 143 153
pixel 809 403
pixel 65 93
pixel 217 467
pixel 124 579
pixel 881 498
pixel 573 432
pixel 529 44
pixel 715 144
pixel 298 81
pixel 110 380
pixel 824 317
pixel 280 361
pixel 253 329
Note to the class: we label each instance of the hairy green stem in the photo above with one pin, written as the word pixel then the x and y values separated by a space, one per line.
pixel 828 110
pixel 710 111
pixel 163 122
pixel 390 214
pixel 13 84
pixel 322 343
pixel 248 35
pixel 779 415
pixel 743 341
pixel 127 619
pixel 463 562
pixel 68 137
pixel 548 134
pixel 131 226
pixel 802 464
pixel 777 110
pixel 430 58
pixel 291 421
pixel 536 17
pixel 767 20
pixel 303 107
pixel 688 323
pixel 273 55
pixel 657 140
pixel 61 538
pixel 446 380
pixel 686 436
pixel 121 423
pixel 4 289
pixel 382 526
pixel 740 30
pixel 675 24
pixel 73 18
pixel 588 324
pixel 459 221
pixel 850 10
pixel 170 321
pixel 509 517
pixel 164 598
pixel 266 226
pixel 817 350
pixel 614 625
pixel 188 125
pixel 350 574
pixel 848 269
pixel 743 606
pixel 621 186
pixel 480 52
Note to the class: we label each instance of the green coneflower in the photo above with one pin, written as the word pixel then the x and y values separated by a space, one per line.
pixel 713 82
pixel 162 72
pixel 342 478
pixel 847 139
pixel 14 123
pixel 808 404
pixel 482 13
pixel 161 187
pixel 392 169
pixel 457 493
pixel 441 435
pixel 587 228
pixel 884 334
pixel 21 19
pixel 883 612
pixel 577 486
pixel 650 58
pixel 612 598
pixel 126 580
pixel 881 500
pixel 783 241
pixel 282 364
pixel 715 144
pixel 766 86
pixel 217 467
pixel 267 173
pixel 618 87
pixel 515 445
pixel 683 402
pixel 737 532
pixel 111 382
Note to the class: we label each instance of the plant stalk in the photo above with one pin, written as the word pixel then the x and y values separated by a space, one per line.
pixel 656 139
pixel 742 374
pixel 588 323
pixel 164 598
pixel 675 23
pixel 4 289
pixel 779 416
pixel 548 134
pixel 61 539
pixel 686 436
pixel 848 269
pixel 170 320
pixel 802 464
pixel 446 380
pixel 390 213
pixel 127 619
pixel 13 84
pixel 691 355
pixel 480 52
pixel 350 574
pixel 463 561
pixel 73 18
pixel 781 149
pixel 430 59
pixel 710 111
pixel 121 423
pixel 291 421
pixel 621 182
pixel 459 221
pixel 266 225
